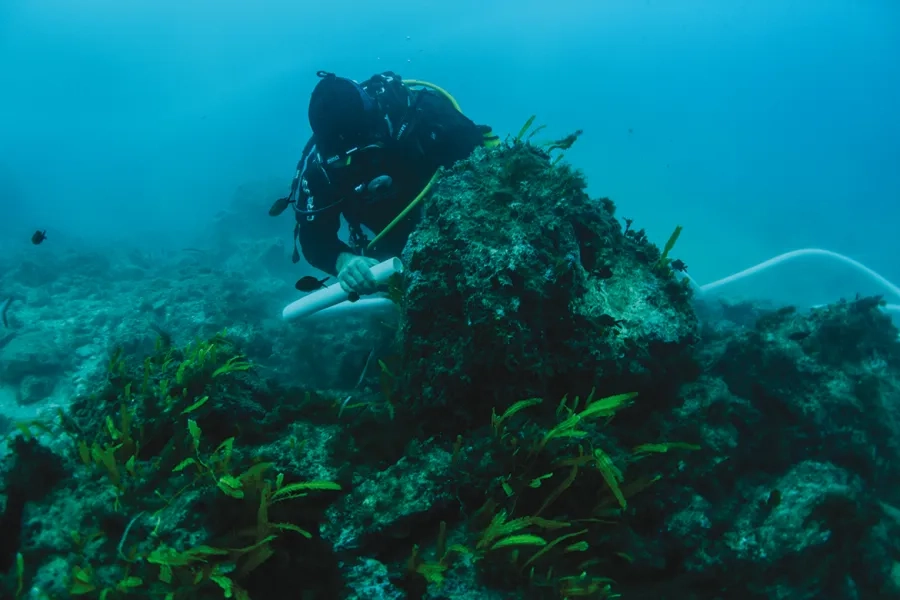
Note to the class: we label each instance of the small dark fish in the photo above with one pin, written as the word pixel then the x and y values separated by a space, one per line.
pixel 38 237
pixel 798 335
pixel 352 297
pixel 679 265
pixel 605 320
pixel 310 283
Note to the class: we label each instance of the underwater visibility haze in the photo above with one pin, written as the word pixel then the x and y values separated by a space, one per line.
pixel 562 300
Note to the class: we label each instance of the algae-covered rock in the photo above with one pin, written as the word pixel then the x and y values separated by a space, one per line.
pixel 797 414
pixel 519 284
pixel 391 505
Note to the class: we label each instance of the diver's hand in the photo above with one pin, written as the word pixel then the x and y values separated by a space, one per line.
pixel 355 274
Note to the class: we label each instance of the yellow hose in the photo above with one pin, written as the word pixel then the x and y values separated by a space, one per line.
pixel 405 212
pixel 436 88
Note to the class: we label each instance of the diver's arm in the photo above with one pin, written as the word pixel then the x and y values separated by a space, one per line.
pixel 319 241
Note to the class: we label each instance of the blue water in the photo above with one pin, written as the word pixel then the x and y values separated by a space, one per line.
pixel 761 126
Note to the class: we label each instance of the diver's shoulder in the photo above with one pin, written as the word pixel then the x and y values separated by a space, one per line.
pixel 431 101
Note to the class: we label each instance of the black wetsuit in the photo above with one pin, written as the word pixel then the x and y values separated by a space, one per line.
pixel 439 135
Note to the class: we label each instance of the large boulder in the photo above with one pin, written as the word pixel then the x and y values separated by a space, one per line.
pixel 519 284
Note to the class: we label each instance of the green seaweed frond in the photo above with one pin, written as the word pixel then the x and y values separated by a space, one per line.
pixel 302 488
pixel 82 581
pixel 164 555
pixel 232 365
pixel 522 539
pixel 670 243
pixel 521 135
pixel 502 533
pixel 605 407
pixel 611 474
pixel 497 421
pixel 547 548
pixel 663 447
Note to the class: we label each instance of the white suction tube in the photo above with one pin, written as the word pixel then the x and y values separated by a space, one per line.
pixel 333 295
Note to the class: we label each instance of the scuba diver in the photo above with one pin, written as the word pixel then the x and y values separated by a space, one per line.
pixel 375 150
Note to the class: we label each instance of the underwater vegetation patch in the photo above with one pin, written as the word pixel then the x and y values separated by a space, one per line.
pixel 182 512
pixel 549 524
